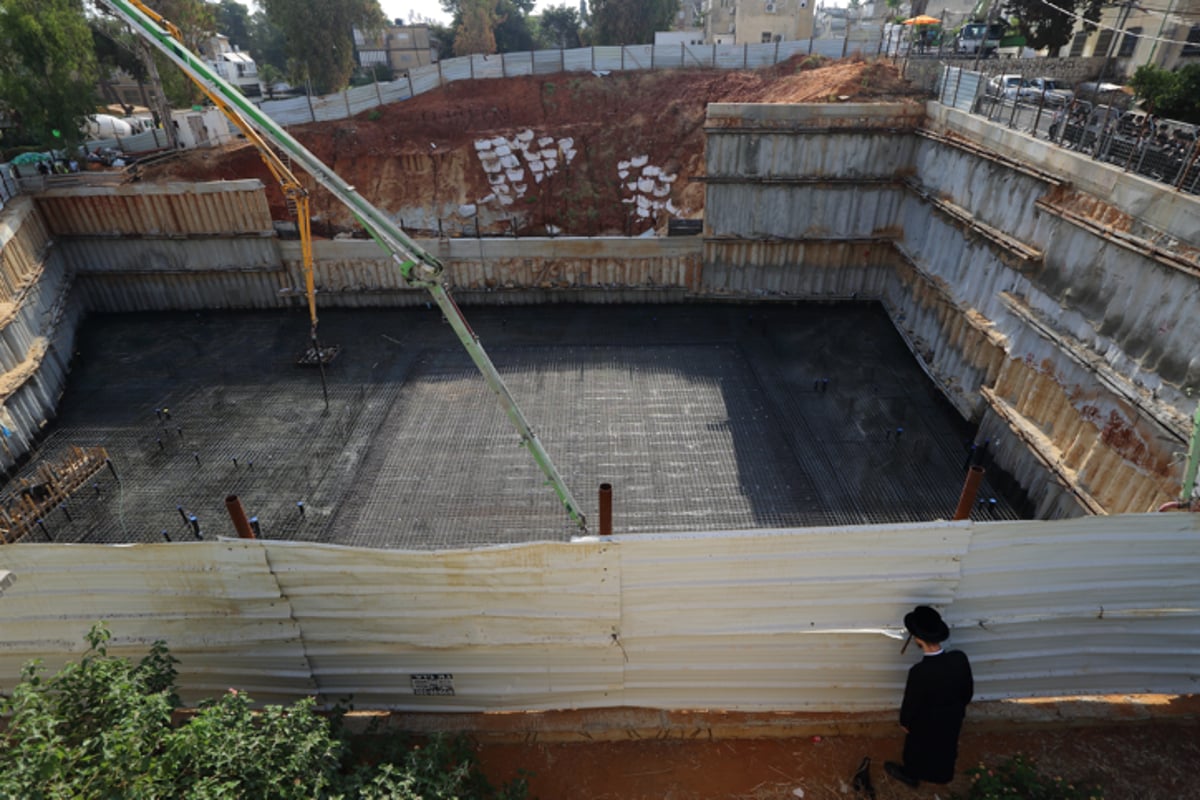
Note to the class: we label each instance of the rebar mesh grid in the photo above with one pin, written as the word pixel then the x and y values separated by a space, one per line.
pixel 702 417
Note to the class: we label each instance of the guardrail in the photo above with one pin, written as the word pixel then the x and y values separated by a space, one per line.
pixel 1160 149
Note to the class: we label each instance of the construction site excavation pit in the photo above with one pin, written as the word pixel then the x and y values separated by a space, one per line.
pixel 703 417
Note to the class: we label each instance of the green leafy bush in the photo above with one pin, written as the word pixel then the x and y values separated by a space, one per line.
pixel 102 728
pixel 1018 777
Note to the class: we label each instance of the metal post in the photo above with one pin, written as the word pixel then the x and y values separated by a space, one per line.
pixel 970 488
pixel 606 509
pixel 238 514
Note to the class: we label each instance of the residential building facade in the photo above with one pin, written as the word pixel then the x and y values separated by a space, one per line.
pixel 758 21
pixel 400 47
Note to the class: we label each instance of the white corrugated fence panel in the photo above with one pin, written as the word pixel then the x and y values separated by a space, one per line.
pixel 582 59
pixel 549 62
pixel 215 603
pixel 362 98
pixel 786 619
pixel 1107 601
pixel 830 48
pixel 526 626
pixel 425 79
pixel 517 64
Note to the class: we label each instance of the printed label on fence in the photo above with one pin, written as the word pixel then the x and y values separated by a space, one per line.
pixel 433 684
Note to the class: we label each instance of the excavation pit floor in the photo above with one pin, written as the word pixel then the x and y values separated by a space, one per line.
pixel 702 417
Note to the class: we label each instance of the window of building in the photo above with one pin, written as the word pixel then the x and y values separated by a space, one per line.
pixel 766 38
pixel 1192 48
pixel 1103 42
pixel 1129 43
pixel 1078 43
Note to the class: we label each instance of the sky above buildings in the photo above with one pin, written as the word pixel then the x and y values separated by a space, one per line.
pixel 432 9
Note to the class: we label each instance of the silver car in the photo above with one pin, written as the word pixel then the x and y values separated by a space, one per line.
pixel 1045 90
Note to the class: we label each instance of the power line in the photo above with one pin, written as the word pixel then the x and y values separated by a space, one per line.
pixel 1080 17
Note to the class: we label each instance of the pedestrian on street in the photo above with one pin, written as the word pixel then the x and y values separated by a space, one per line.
pixel 936 695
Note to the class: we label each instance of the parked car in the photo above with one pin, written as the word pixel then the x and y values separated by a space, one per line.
pixel 1005 86
pixel 1045 90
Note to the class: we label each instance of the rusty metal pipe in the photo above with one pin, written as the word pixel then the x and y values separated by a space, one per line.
pixel 969 490
pixel 238 515
pixel 606 509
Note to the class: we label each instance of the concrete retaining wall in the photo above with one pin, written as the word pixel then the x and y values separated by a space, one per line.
pixel 1049 297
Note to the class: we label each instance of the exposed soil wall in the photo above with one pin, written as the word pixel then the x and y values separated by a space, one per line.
pixel 576 154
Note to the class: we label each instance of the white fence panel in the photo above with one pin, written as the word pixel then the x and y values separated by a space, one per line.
pixel 829 48
pixel 484 66
pixel 699 55
pixel 517 64
pixel 456 69
pixel 548 62
pixel 216 604
pixel 425 79
pixel 762 620
pixel 731 56
pixel 394 91
pixel 806 603
pixel 793 48
pixel 528 626
pixel 579 59
pixel 362 98
pixel 667 56
pixel 610 58
pixel 293 111
pixel 638 56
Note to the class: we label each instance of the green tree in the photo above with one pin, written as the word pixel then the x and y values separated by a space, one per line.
pixel 233 20
pixel 48 68
pixel 513 33
pixel 268 44
pixel 320 37
pixel 558 28
pixel 630 21
pixel 475 31
pixel 1175 95
pixel 1042 25
pixel 103 728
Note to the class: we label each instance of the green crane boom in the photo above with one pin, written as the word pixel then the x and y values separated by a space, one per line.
pixel 419 268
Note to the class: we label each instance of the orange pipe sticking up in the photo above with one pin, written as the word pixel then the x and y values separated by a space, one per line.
pixel 970 489
pixel 238 515
pixel 606 509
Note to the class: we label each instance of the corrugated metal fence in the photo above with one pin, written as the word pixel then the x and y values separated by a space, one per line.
pixel 299 110
pixel 763 620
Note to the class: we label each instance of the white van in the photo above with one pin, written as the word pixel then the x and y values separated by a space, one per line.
pixel 978 37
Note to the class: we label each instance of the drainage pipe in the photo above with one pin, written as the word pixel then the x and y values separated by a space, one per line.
pixel 238 515
pixel 606 509
pixel 969 490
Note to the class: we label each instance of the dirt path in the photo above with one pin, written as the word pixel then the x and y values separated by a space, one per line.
pixel 1135 760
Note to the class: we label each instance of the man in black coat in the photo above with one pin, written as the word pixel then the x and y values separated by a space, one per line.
pixel 936 695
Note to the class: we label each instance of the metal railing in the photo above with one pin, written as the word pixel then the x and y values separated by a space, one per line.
pixel 1160 149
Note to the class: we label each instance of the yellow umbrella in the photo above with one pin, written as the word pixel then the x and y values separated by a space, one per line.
pixel 924 19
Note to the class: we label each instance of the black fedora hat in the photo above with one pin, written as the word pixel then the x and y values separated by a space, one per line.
pixel 926 624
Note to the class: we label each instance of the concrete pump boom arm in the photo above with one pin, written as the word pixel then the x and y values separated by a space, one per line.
pixel 418 267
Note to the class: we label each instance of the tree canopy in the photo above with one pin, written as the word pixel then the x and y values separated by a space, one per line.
pixel 616 22
pixel 233 19
pixel 476 28
pixel 48 68
pixel 102 727
pixel 320 39
pixel 1044 25
pixel 1175 95
pixel 558 27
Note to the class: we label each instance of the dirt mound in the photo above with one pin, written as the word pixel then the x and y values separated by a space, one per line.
pixel 583 154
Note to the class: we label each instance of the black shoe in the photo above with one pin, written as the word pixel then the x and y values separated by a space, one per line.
pixel 862 779
pixel 897 772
